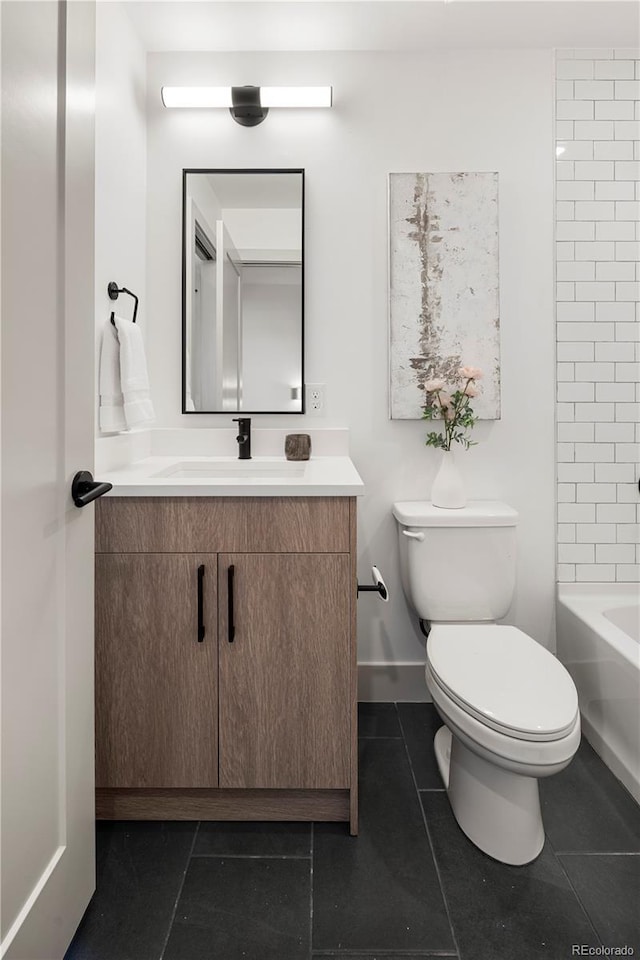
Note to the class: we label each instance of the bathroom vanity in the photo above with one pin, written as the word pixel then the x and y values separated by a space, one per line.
pixel 226 649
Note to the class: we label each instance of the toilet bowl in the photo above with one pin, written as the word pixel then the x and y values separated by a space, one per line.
pixel 511 716
pixel 510 708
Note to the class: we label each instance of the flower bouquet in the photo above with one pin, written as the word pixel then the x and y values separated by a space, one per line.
pixel 453 407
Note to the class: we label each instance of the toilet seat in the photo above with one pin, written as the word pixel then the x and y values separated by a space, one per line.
pixel 504 679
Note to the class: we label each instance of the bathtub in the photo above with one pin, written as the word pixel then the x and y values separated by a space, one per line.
pixel 598 640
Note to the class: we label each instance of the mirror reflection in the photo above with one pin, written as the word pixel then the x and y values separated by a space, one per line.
pixel 242 291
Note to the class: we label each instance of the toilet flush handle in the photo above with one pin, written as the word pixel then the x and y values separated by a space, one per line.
pixel 412 535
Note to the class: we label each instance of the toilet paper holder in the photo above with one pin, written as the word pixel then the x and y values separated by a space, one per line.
pixel 378 586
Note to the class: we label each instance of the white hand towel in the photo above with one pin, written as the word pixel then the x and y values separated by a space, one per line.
pixel 111 399
pixel 134 381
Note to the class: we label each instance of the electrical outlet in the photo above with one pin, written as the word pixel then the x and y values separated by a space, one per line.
pixel 314 399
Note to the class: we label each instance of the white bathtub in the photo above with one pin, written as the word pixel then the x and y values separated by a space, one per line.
pixel 598 626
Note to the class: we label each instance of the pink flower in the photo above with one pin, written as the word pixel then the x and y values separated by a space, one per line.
pixel 432 386
pixel 470 390
pixel 444 399
pixel 471 373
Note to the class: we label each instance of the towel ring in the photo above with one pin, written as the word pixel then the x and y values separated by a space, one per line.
pixel 114 290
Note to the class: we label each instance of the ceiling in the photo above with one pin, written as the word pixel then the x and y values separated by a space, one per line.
pixel 257 190
pixel 245 25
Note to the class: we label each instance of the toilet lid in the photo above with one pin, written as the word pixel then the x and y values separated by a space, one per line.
pixel 504 678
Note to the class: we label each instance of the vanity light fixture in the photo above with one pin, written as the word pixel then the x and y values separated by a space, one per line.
pixel 248 105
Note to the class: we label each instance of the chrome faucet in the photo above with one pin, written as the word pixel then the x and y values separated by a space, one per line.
pixel 244 437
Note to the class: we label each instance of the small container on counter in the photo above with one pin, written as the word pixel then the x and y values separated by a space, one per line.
pixel 297 446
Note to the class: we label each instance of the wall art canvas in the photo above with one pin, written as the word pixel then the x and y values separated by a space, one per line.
pixel 443 286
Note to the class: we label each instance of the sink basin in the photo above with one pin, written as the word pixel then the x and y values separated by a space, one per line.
pixel 232 469
pixel 187 474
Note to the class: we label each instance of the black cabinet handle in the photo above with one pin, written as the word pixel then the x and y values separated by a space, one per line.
pixel 84 489
pixel 201 629
pixel 232 627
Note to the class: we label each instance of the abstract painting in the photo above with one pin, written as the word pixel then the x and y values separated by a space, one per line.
pixel 444 307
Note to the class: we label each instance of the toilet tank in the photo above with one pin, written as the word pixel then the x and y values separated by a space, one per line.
pixel 457 565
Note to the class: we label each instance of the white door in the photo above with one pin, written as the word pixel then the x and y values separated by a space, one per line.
pixel 228 321
pixel 47 173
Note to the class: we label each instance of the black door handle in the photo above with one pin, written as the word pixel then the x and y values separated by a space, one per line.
pixel 84 488
pixel 231 625
pixel 201 629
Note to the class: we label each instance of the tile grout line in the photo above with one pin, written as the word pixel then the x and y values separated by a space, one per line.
pixel 364 736
pixel 575 892
pixel 311 839
pixel 248 856
pixel 381 954
pixel 597 853
pixel 184 876
pixel 426 827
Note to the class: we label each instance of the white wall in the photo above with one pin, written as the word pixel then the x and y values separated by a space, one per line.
pixel 454 110
pixel 265 233
pixel 271 337
pixel 598 289
pixel 121 167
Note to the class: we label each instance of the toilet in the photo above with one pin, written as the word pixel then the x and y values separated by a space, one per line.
pixel 509 707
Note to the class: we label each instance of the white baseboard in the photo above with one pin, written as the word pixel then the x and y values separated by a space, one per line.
pixel 380 682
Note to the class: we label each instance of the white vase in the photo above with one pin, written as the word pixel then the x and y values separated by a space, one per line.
pixel 448 489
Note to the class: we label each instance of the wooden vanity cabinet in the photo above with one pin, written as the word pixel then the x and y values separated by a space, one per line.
pixel 156 683
pixel 285 676
pixel 257 718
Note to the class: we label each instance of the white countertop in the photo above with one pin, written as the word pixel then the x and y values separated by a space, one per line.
pixel 317 477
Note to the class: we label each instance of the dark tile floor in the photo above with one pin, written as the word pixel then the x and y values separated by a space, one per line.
pixel 411 886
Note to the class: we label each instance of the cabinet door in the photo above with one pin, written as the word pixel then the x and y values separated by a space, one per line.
pixel 156 681
pixel 284 670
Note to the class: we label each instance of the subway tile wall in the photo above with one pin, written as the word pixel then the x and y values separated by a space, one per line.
pixel 598 314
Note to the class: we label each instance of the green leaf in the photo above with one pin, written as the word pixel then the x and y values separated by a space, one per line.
pixel 435 440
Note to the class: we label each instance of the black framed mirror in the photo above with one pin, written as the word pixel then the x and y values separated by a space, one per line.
pixel 243 291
